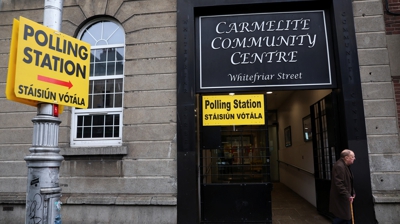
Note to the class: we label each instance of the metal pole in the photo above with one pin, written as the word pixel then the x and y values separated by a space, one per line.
pixel 43 203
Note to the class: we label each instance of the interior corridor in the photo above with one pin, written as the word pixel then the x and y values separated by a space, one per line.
pixel 288 207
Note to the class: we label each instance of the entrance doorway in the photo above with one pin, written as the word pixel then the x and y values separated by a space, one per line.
pixel 235 172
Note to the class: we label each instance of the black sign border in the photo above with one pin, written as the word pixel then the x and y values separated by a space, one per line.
pixel 200 88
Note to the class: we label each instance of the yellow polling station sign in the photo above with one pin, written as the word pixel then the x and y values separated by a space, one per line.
pixel 10 95
pixel 50 66
pixel 222 110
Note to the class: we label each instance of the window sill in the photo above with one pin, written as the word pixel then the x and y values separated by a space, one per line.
pixel 120 150
pixel 99 199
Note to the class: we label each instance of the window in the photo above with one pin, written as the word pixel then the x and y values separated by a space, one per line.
pixel 101 123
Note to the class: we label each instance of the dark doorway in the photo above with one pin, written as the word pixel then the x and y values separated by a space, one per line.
pixel 325 122
pixel 235 182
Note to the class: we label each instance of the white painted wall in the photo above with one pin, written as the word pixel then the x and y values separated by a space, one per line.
pixel 300 154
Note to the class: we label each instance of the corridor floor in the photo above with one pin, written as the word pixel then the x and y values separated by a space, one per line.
pixel 289 208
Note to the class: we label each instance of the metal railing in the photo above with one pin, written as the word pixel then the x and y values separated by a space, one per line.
pixel 298 168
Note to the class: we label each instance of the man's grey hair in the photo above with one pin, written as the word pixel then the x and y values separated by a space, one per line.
pixel 345 153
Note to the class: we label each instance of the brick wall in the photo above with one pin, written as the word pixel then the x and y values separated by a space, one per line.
pixel 392 17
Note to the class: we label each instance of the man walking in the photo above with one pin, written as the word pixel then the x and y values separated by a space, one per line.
pixel 342 191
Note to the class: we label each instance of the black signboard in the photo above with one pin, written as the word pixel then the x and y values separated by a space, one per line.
pixel 263 50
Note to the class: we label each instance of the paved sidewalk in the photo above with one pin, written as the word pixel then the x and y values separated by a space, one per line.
pixel 289 208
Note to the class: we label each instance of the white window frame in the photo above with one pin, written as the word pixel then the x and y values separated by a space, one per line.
pixel 99 142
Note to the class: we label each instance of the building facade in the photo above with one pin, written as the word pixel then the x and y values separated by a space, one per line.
pixel 142 153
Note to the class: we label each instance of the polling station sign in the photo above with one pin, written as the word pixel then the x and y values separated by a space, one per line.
pixel 221 110
pixel 50 66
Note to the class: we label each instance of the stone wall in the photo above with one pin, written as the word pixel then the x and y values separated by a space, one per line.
pixel 380 107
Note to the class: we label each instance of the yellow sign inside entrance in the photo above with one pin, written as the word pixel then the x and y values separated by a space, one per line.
pixel 50 66
pixel 221 110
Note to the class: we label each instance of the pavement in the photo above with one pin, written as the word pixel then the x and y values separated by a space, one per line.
pixel 289 208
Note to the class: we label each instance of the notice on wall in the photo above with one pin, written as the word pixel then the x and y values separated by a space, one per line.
pixel 263 50
pixel 222 110
pixel 48 66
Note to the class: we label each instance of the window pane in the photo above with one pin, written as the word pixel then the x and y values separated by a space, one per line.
pixel 99 86
pixel 98 132
pixel 113 33
pixel 119 68
pixel 116 119
pixel 92 70
pixel 92 55
pixel 87 37
pixel 110 86
pixel 87 132
pixel 111 54
pixel 91 84
pixel 109 119
pixel 116 132
pixel 98 101
pixel 99 69
pixel 87 120
pixel 96 31
pixel 90 104
pixel 98 120
pixel 110 68
pixel 109 132
pixel 79 132
pixel 120 53
pixel 80 120
pixel 109 100
pixel 118 85
pixel 118 100
pixel 99 55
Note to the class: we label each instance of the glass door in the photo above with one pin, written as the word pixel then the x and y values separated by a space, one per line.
pixel 324 120
pixel 235 173
pixel 242 157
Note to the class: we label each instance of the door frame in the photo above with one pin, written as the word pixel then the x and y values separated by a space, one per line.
pixel 350 103
pixel 325 128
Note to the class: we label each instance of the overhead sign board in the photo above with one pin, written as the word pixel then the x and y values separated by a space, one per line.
pixel 223 110
pixel 263 50
pixel 50 66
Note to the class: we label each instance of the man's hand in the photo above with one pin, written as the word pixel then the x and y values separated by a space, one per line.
pixel 351 199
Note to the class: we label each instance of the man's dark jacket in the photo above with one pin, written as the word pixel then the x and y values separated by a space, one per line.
pixel 341 189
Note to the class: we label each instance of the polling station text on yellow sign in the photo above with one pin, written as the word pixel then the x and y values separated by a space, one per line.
pixel 10 94
pixel 233 110
pixel 50 66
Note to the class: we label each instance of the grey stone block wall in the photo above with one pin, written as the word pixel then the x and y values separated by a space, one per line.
pixel 120 214
pixel 138 178
pixel 149 100
pixel 386 213
pixel 394 53
pixel 380 108
pixel 100 213
pixel 17 215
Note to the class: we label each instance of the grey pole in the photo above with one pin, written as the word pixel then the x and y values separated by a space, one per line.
pixel 43 203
